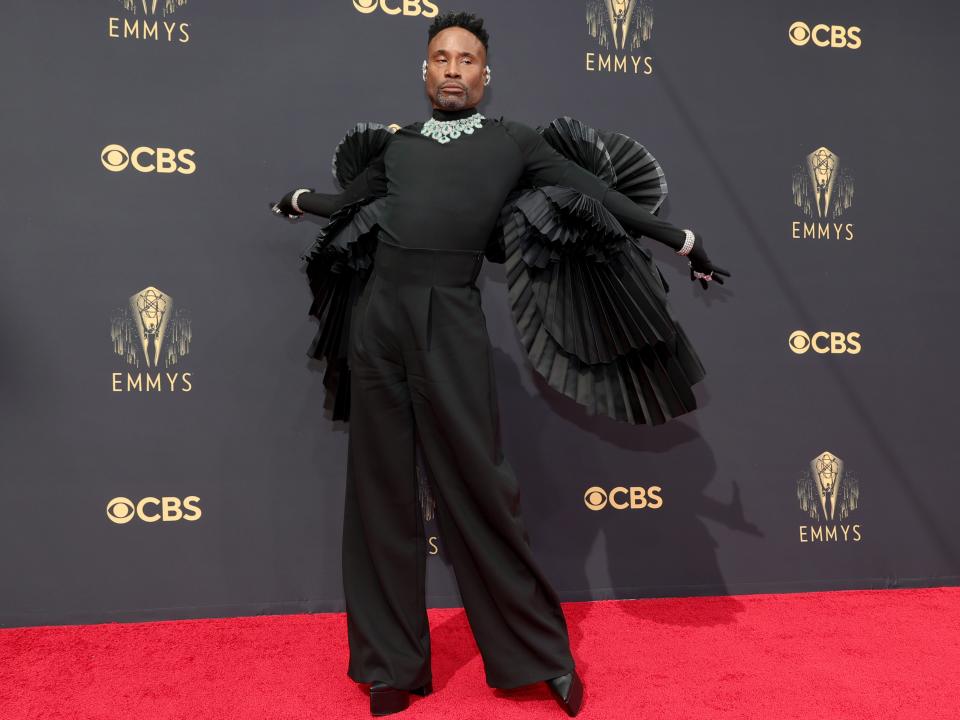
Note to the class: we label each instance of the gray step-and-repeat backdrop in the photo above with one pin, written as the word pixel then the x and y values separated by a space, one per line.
pixel 812 144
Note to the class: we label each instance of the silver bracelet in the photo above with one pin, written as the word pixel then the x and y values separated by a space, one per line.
pixel 293 199
pixel 687 243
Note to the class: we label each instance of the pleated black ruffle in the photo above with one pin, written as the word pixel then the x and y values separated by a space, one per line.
pixel 339 263
pixel 587 298
pixel 362 143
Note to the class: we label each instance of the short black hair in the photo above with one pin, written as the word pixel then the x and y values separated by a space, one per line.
pixel 467 21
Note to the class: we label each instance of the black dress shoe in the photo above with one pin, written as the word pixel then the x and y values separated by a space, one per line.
pixel 568 690
pixel 385 700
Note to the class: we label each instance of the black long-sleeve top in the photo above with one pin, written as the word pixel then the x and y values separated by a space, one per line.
pixel 448 195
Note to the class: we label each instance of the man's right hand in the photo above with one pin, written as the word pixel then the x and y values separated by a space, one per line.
pixel 285 207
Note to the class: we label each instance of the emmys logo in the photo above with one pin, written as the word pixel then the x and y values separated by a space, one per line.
pixel 823 190
pixel 121 510
pixel 619 27
pixel 424 8
pixel 149 330
pixel 141 23
pixel 822 35
pixel 828 494
pixel 115 158
pixel 623 498
pixel 822 342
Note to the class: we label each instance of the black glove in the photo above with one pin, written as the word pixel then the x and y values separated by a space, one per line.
pixel 285 207
pixel 699 262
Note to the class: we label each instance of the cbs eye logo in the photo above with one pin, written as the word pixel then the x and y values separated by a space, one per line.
pixel 407 7
pixel 122 510
pixel 115 158
pixel 825 35
pixel 834 343
pixel 623 498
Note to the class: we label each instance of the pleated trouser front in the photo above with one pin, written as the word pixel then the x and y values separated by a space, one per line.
pixel 421 363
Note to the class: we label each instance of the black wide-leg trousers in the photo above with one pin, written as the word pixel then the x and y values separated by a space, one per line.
pixel 421 364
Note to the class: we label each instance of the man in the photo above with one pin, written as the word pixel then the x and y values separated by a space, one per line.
pixel 420 363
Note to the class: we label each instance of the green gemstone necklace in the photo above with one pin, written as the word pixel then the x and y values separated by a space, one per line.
pixel 443 131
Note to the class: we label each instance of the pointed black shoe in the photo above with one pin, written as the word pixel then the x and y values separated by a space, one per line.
pixel 568 690
pixel 385 700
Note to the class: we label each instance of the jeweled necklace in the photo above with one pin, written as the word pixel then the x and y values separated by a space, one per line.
pixel 443 131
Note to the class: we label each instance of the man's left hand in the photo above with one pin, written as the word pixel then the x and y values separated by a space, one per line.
pixel 701 267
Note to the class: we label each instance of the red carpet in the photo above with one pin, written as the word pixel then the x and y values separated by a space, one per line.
pixel 817 656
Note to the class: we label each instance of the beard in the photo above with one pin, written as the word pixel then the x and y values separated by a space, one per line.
pixel 453 102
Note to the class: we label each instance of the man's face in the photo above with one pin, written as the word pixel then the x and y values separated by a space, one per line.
pixel 455 60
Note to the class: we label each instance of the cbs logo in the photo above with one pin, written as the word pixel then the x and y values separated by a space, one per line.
pixel 407 7
pixel 622 498
pixel 122 510
pixel 825 35
pixel 146 159
pixel 835 343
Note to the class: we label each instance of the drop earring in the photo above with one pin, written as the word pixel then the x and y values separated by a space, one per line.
pixel 424 69
pixel 486 77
